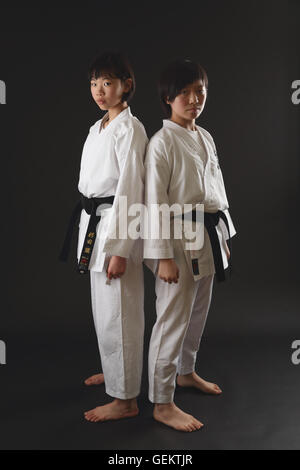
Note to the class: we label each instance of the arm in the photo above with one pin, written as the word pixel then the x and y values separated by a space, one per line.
pixel 130 149
pixel 156 192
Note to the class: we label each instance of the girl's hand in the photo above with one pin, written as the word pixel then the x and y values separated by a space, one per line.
pixel 168 271
pixel 116 267
pixel 227 251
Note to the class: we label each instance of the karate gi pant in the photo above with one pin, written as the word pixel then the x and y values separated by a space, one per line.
pixel 118 311
pixel 181 310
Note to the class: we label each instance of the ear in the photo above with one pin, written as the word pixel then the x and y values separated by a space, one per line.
pixel 167 100
pixel 128 84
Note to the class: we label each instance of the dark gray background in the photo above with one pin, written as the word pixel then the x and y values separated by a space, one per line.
pixel 251 53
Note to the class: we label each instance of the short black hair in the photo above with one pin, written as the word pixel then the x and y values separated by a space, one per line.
pixel 175 76
pixel 115 65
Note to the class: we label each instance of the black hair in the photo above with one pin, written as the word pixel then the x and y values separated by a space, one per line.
pixel 115 65
pixel 175 76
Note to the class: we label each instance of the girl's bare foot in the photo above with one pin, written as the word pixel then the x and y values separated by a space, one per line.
pixel 193 380
pixel 171 415
pixel 117 409
pixel 97 379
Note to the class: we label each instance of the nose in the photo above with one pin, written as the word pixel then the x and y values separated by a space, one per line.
pixel 99 89
pixel 193 98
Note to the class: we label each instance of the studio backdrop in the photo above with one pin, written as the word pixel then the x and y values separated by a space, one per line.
pixel 250 51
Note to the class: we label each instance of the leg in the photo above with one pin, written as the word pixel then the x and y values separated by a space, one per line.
pixel 187 376
pixel 173 309
pixel 191 343
pixel 120 329
pixel 173 306
pixel 96 379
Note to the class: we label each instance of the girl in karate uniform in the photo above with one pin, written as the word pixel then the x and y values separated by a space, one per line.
pixel 112 165
pixel 181 166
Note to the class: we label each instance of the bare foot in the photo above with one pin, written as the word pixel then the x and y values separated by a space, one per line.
pixel 193 380
pixel 117 409
pixel 171 415
pixel 97 379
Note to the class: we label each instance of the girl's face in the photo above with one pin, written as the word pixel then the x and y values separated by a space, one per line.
pixel 189 103
pixel 107 92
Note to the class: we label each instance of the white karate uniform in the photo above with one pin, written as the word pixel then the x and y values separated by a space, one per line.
pixel 112 164
pixel 181 167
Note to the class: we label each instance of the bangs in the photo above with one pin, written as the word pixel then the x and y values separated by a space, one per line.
pixel 112 65
pixel 97 73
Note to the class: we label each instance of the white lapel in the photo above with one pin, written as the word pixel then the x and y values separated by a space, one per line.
pixel 110 127
pixel 187 140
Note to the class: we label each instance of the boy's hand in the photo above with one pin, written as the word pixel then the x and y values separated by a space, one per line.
pixel 116 267
pixel 227 251
pixel 168 271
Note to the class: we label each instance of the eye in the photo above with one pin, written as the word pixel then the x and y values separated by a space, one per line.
pixel 107 83
pixel 93 83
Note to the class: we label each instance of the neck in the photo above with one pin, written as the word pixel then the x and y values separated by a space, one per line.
pixel 113 112
pixel 187 124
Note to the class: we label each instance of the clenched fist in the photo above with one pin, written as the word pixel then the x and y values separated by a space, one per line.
pixel 116 267
pixel 168 271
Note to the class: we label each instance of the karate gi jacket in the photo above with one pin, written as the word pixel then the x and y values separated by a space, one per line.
pixel 179 169
pixel 112 164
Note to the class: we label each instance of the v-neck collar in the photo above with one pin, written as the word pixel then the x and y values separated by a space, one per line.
pixel 122 115
pixel 191 141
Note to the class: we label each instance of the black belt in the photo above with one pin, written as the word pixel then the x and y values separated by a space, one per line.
pixel 211 219
pixel 90 206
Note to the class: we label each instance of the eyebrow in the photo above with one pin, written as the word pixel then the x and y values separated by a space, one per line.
pixel 104 77
pixel 197 86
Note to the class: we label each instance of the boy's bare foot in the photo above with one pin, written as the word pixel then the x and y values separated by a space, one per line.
pixel 97 379
pixel 117 409
pixel 171 415
pixel 193 380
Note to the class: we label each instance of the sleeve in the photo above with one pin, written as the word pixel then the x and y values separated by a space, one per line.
pixel 130 148
pixel 232 230
pixel 157 179
pixel 231 226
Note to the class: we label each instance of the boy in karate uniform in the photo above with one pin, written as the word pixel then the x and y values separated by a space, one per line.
pixel 182 167
pixel 111 169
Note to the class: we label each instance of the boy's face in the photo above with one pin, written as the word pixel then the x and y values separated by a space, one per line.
pixel 107 92
pixel 190 102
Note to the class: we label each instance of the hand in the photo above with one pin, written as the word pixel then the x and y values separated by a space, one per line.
pixel 116 267
pixel 227 251
pixel 168 271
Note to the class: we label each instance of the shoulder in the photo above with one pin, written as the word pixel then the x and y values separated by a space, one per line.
pixel 131 126
pixel 161 140
pixel 96 126
pixel 206 133
pixel 159 148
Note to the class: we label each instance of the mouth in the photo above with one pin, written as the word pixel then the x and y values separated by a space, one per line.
pixel 195 109
pixel 100 101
